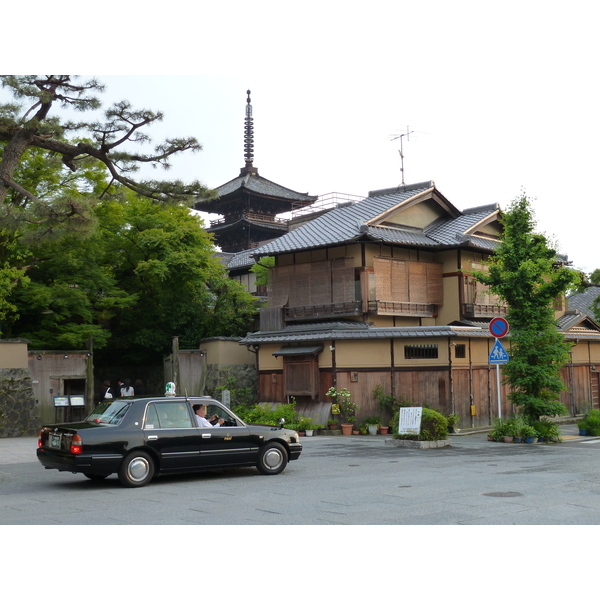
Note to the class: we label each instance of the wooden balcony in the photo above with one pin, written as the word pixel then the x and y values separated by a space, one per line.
pixel 474 311
pixel 322 311
pixel 405 309
pixel 250 216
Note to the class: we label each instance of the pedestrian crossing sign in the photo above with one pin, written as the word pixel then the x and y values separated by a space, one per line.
pixel 498 355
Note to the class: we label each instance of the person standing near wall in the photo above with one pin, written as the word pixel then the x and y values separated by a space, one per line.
pixel 127 389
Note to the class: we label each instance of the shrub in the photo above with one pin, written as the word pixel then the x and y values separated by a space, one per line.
pixel 270 414
pixel 547 429
pixel 592 419
pixel 499 430
pixel 434 426
pixel 389 404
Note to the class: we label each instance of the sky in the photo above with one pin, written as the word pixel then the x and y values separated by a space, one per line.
pixel 493 100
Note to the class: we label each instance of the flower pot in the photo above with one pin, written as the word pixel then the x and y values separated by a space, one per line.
pixel 309 432
pixel 347 428
pixel 383 429
pixel 529 440
pixel 355 432
pixel 301 433
pixel 372 429
pixel 583 432
pixel 508 439
pixel 517 440
pixel 333 426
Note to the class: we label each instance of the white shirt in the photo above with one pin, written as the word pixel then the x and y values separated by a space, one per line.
pixel 202 422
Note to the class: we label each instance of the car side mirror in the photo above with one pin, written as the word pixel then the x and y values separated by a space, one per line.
pixel 281 422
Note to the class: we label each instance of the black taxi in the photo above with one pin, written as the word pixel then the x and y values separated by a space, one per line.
pixel 141 438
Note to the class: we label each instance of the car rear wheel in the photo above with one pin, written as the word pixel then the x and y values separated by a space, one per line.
pixel 272 459
pixel 136 470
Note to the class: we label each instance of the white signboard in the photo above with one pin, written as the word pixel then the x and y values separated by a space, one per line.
pixel 410 421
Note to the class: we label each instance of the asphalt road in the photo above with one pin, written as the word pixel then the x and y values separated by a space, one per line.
pixel 338 480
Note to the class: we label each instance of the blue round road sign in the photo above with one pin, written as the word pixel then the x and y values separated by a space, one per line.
pixel 499 327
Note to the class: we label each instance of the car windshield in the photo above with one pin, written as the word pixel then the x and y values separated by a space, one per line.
pixel 109 412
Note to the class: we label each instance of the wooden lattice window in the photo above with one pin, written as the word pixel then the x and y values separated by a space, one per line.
pixel 408 281
pixel 310 284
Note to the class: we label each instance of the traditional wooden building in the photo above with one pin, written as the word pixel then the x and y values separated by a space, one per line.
pixel 378 293
pixel 250 204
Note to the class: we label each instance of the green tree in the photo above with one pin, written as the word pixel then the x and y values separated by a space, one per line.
pixel 527 274
pixel 52 170
pixel 160 255
pixel 147 273
pixel 110 140
pixel 261 269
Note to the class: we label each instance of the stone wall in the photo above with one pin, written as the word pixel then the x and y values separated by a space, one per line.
pixel 18 406
pixel 232 377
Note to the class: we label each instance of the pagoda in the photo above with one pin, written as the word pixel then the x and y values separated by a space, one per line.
pixel 249 204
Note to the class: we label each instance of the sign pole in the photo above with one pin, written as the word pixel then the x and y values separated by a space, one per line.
pixel 498 328
pixel 499 392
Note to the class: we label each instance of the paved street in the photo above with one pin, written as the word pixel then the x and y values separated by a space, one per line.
pixel 338 480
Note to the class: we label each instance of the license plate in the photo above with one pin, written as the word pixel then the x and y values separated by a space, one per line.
pixel 54 441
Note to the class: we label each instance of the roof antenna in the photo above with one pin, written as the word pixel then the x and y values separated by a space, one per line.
pixel 401 151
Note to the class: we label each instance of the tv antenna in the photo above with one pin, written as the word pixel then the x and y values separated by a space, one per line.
pixel 401 151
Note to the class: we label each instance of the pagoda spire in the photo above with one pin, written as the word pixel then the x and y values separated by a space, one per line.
pixel 248 140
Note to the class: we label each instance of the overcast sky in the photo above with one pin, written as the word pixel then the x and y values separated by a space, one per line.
pixel 500 99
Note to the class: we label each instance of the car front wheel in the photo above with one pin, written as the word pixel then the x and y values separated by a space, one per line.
pixel 272 459
pixel 136 470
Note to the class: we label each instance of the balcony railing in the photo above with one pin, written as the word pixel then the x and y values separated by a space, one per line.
pixel 472 311
pixel 322 311
pixel 406 309
pixel 255 217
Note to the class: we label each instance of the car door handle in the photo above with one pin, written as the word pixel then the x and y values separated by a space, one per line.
pixel 206 435
pixel 152 437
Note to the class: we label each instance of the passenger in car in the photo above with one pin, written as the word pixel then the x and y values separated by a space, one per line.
pixel 200 410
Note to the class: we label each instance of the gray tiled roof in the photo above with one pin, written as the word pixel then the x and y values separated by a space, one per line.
pixel 240 260
pixel 350 223
pixel 260 185
pixel 355 331
pixel 583 302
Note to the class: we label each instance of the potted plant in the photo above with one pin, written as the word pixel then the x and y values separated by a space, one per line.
pixel 528 433
pixel 518 423
pixel 509 431
pixel 582 425
pixel 453 420
pixel 332 424
pixel 304 425
pixel 347 408
pixel 372 424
